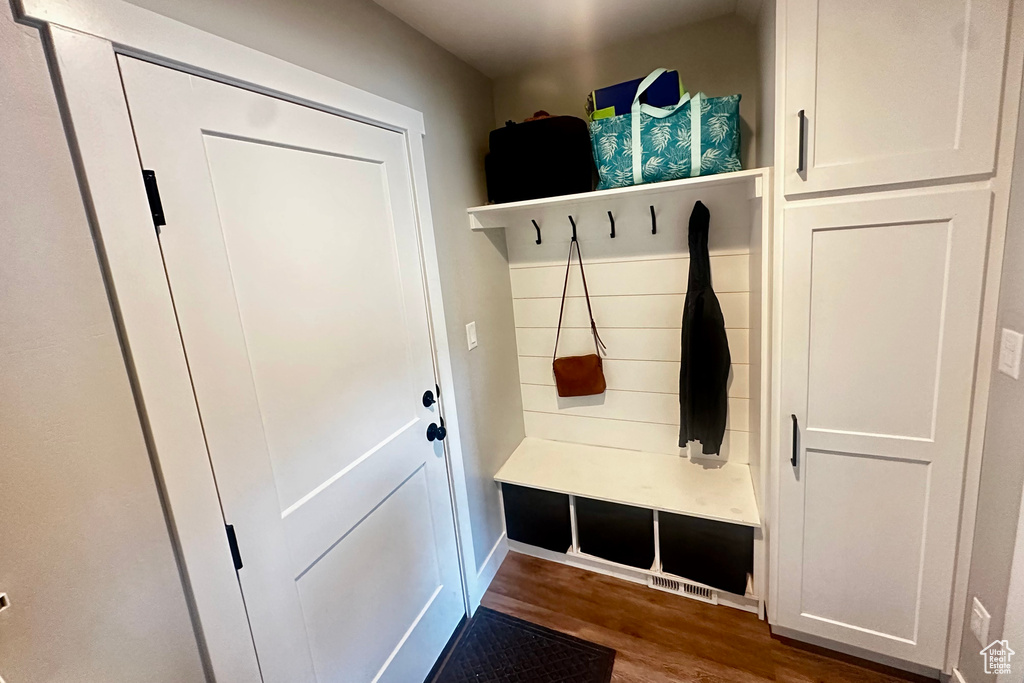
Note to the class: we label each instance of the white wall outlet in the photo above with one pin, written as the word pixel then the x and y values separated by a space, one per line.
pixel 979 622
pixel 471 335
pixel 1010 346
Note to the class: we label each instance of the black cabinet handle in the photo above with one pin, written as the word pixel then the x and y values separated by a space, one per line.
pixel 796 446
pixel 428 398
pixel 802 154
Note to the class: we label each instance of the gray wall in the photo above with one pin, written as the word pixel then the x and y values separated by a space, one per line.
pixel 1002 468
pixel 718 57
pixel 765 124
pixel 85 554
pixel 357 42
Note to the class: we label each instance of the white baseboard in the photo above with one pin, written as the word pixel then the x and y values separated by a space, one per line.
pixel 487 570
pixel 618 571
pixel 579 561
pixel 958 677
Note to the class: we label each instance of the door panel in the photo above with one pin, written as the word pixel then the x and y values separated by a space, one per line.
pixel 863 279
pixel 841 569
pixel 291 323
pixel 292 253
pixel 881 301
pixel 893 90
pixel 346 631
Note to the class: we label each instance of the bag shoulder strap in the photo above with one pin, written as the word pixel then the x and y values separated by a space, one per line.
pixel 598 344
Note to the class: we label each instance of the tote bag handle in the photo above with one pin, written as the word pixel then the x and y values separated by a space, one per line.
pixel 660 113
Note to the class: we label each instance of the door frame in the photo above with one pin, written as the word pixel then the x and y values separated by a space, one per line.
pixel 82 42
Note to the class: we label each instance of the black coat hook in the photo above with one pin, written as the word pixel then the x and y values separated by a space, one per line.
pixel 573 228
pixel 538 229
pixel 611 219
pixel 654 222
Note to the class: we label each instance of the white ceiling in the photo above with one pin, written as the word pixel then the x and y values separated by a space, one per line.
pixel 502 36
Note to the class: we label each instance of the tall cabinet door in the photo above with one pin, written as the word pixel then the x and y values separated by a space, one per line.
pixel 892 91
pixel 881 302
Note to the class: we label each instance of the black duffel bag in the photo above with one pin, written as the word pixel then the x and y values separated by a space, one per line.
pixel 542 157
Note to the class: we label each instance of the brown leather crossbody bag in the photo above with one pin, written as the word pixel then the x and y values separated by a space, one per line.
pixel 578 375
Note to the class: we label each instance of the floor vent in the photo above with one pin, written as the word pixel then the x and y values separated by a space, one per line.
pixel 684 588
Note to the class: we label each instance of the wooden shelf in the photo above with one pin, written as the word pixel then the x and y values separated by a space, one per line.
pixel 668 483
pixel 750 182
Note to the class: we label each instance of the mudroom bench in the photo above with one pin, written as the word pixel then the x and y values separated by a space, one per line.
pixel 686 526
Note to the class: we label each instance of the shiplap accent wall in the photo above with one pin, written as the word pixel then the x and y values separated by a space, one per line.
pixel 638 301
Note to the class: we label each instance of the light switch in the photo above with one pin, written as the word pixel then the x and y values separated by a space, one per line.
pixel 1009 353
pixel 979 622
pixel 471 335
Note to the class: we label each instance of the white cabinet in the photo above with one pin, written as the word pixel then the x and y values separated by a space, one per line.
pixel 892 91
pixel 881 301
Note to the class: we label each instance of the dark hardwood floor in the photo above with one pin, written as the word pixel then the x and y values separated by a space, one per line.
pixel 664 638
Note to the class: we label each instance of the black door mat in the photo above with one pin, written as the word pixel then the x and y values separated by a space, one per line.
pixel 497 648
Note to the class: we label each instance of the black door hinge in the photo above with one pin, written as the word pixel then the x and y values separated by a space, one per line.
pixel 233 542
pixel 153 194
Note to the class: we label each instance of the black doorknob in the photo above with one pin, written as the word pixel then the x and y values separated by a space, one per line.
pixel 428 398
pixel 436 433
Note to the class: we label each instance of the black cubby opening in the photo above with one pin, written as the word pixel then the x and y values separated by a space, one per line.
pixel 717 554
pixel 536 517
pixel 619 533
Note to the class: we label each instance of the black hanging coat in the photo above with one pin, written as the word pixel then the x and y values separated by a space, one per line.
pixel 704 373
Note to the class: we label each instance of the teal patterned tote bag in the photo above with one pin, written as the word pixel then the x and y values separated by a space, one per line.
pixel 697 136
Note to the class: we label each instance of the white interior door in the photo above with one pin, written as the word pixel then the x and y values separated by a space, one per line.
pixel 892 90
pixel 292 253
pixel 881 301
